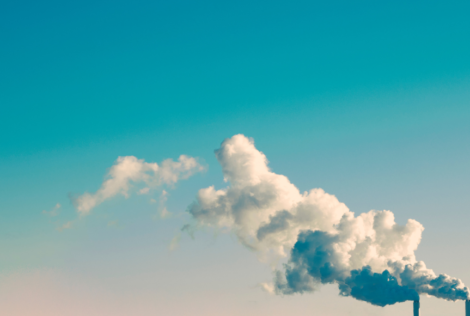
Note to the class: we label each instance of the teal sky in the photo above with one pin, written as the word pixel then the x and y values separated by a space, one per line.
pixel 369 101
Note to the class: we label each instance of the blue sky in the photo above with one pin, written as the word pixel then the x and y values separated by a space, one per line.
pixel 369 101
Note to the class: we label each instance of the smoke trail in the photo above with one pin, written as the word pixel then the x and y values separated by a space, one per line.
pixel 369 257
pixel 129 170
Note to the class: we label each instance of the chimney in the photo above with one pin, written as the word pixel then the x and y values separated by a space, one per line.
pixel 416 308
pixel 467 308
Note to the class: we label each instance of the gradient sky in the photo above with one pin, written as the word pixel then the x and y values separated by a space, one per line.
pixel 368 100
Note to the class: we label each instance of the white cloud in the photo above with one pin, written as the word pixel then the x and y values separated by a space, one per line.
pixel 129 170
pixel 265 209
pixel 269 215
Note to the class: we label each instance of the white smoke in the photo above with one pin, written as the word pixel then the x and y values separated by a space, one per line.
pixel 129 170
pixel 265 210
pixel 365 255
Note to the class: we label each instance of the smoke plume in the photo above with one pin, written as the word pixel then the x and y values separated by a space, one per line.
pixel 370 257
pixel 130 170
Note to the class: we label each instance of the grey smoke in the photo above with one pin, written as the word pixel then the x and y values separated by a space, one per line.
pixel 315 261
pixel 376 288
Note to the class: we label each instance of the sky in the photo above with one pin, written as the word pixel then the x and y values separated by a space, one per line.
pixel 369 101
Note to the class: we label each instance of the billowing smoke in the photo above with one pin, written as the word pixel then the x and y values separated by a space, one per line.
pixel 314 261
pixel 369 257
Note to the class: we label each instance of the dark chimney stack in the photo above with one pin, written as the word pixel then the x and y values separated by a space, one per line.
pixel 416 308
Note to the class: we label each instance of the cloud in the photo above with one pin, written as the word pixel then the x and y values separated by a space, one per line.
pixel 326 243
pixel 129 170
pixel 54 211
pixel 266 211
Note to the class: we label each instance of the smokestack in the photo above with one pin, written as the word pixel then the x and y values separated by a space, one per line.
pixel 467 308
pixel 416 308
